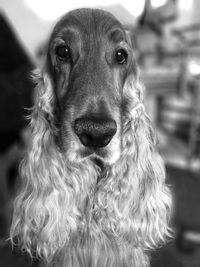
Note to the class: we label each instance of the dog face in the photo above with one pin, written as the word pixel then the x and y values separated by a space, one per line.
pixel 89 57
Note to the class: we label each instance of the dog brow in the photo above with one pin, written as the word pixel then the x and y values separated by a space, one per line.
pixel 116 35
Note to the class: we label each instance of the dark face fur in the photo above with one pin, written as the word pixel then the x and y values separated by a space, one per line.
pixel 89 57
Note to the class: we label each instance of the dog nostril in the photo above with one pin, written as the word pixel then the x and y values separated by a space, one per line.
pixel 86 139
pixel 94 132
pixel 94 141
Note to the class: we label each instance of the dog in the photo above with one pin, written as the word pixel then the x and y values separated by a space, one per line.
pixel 93 184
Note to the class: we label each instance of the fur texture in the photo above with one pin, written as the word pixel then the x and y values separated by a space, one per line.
pixel 72 211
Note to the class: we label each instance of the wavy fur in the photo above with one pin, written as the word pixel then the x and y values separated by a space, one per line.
pixel 68 218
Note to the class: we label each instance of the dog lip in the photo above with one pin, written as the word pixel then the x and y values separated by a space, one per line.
pixel 99 153
pixel 86 153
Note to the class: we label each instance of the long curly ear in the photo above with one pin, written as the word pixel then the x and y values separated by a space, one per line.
pixel 150 201
pixel 45 212
pixel 135 202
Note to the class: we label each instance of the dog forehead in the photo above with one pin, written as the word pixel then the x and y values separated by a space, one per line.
pixel 90 21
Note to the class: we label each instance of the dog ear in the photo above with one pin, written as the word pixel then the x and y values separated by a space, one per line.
pixel 44 211
pixel 150 201
pixel 135 202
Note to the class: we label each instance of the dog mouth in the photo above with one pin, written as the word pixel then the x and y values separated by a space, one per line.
pixel 98 157
pixel 106 155
pixel 99 163
pixel 94 153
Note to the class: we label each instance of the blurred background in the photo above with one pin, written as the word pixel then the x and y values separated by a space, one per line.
pixel 166 38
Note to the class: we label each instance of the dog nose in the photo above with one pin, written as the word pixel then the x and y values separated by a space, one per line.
pixel 95 132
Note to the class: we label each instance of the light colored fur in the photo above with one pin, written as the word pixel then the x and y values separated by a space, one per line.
pixel 65 217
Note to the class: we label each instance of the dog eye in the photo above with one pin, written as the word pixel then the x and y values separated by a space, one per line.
pixel 63 53
pixel 121 56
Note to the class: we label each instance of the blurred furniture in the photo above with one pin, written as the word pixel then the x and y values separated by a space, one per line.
pixel 160 82
pixel 172 79
pixel 190 37
pixel 194 134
